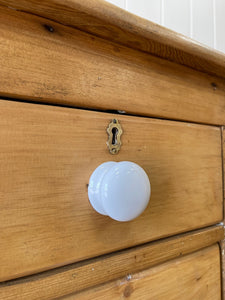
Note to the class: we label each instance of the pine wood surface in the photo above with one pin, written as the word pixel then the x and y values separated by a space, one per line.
pixel 93 55
pixel 222 247
pixel 47 62
pixel 80 276
pixel 47 155
pixel 112 23
pixel 195 276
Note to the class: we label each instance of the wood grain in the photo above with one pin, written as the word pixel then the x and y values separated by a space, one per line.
pixel 48 62
pixel 47 155
pixel 196 276
pixel 76 277
pixel 222 246
pixel 110 22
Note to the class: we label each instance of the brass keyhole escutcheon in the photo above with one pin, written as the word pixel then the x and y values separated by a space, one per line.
pixel 114 131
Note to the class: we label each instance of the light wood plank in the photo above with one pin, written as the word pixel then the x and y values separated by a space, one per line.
pixel 109 22
pixel 47 155
pixel 80 276
pixel 222 246
pixel 48 62
pixel 196 276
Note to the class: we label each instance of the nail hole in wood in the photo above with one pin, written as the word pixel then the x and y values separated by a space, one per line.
pixel 48 28
pixel 214 85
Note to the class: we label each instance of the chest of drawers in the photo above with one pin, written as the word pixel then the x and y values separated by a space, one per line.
pixel 67 70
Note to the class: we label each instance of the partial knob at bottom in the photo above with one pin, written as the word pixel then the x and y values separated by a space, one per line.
pixel 120 190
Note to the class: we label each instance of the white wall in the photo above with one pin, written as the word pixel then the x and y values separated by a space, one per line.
pixel 202 20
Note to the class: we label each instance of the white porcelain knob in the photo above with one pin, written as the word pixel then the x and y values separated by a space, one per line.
pixel 120 190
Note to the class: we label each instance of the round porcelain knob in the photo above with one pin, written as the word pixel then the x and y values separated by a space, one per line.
pixel 120 190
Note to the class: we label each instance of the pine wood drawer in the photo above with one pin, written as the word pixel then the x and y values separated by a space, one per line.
pixel 195 276
pixel 47 155
pixel 43 60
pixel 125 267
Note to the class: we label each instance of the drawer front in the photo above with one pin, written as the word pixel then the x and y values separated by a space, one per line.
pixel 195 276
pixel 68 66
pixel 77 277
pixel 47 155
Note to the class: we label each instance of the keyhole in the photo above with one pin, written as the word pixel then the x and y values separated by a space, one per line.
pixel 114 135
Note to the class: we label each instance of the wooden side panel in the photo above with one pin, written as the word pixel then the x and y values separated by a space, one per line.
pixel 222 245
pixel 196 276
pixel 76 277
pixel 47 155
pixel 45 61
